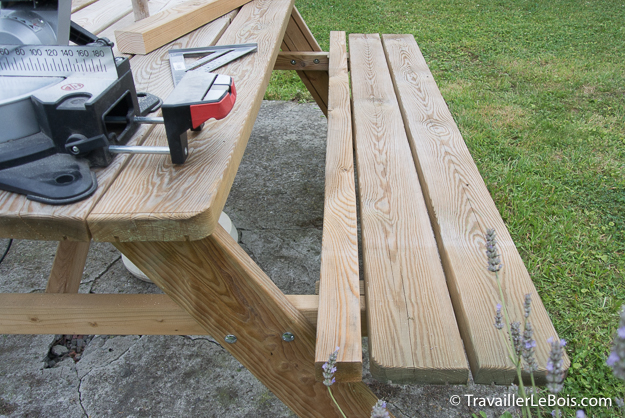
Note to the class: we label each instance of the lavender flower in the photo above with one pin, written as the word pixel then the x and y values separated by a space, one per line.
pixel 528 348
pixel 498 317
pixel 619 403
pixel 527 307
pixel 555 373
pixel 379 410
pixel 580 414
pixel 616 360
pixel 329 369
pixel 515 333
pixel 494 261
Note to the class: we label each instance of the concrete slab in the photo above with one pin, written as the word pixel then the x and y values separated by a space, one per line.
pixel 277 205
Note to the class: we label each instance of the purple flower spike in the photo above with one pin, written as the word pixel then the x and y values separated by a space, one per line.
pixel 555 373
pixel 616 360
pixel 379 410
pixel 329 369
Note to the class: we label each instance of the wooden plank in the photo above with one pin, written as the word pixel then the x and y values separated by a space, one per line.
pixel 461 211
pixel 25 219
pixel 413 335
pixel 81 4
pixel 152 199
pixel 102 14
pixel 299 38
pixel 220 286
pixel 113 314
pixel 311 61
pixel 68 266
pixel 338 324
pixel 157 30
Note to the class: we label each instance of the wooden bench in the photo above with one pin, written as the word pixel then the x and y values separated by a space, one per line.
pixel 424 211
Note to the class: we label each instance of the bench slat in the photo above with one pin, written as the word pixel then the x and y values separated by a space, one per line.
pixel 338 324
pixel 413 335
pixel 462 209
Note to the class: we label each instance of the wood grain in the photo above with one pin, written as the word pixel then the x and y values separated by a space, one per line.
pixel 338 324
pixel 217 283
pixel 299 38
pixel 154 200
pixel 100 15
pixel 461 211
pixel 413 335
pixel 25 219
pixel 81 4
pixel 159 29
pixel 113 314
pixel 303 60
pixel 69 263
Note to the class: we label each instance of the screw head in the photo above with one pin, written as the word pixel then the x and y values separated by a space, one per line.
pixel 316 61
pixel 75 149
pixel 288 337
pixel 293 62
pixel 231 339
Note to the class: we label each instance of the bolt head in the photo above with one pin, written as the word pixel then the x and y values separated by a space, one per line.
pixel 75 149
pixel 231 339
pixel 316 61
pixel 288 337
pixel 293 62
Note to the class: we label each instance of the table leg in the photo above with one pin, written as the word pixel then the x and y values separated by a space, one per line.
pixel 68 266
pixel 228 294
pixel 299 38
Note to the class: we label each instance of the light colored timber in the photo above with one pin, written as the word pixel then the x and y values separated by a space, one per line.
pixel 413 335
pixel 461 211
pixel 25 219
pixel 140 9
pixel 299 38
pixel 361 287
pixel 81 4
pixel 112 314
pixel 220 286
pixel 302 61
pixel 68 266
pixel 159 29
pixel 154 6
pixel 100 15
pixel 153 200
pixel 338 324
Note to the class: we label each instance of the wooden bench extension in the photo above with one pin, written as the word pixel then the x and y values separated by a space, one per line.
pixel 424 211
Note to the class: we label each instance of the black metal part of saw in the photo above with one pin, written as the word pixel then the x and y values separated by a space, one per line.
pixel 78 105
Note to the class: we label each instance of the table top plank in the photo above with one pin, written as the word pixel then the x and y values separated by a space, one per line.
pixel 153 200
pixel 413 335
pixel 339 287
pixel 462 210
pixel 100 15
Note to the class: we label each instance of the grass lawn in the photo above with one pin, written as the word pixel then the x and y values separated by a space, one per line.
pixel 537 89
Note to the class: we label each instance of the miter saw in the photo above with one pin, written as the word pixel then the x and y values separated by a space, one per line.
pixel 65 108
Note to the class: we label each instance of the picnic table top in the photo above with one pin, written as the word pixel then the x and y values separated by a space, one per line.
pixel 146 197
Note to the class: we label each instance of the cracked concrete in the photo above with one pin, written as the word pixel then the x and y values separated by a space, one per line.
pixel 277 205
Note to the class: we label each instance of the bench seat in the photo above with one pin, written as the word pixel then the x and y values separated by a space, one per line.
pixel 424 212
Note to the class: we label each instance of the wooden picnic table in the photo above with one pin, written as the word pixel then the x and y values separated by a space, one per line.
pixel 424 313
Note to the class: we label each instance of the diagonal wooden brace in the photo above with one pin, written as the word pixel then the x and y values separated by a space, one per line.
pixel 299 38
pixel 220 286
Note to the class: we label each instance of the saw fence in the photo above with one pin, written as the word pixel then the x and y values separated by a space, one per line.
pixel 427 302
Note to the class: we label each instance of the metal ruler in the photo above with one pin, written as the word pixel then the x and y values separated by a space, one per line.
pixel 218 56
pixel 57 61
